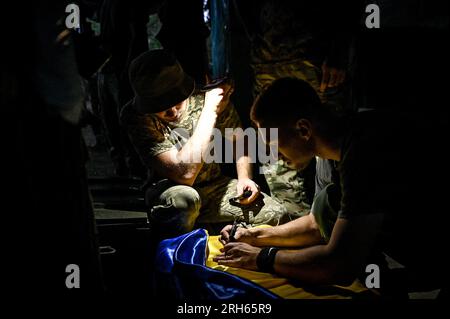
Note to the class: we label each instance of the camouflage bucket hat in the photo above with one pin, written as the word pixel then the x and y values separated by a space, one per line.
pixel 158 81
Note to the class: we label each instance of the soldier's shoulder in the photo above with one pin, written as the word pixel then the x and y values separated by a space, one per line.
pixel 197 99
pixel 129 116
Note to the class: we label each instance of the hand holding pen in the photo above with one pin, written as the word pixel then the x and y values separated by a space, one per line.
pixel 237 232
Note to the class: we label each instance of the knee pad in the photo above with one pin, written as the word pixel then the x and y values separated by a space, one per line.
pixel 183 198
pixel 177 210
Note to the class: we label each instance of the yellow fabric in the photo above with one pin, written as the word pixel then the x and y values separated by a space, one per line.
pixel 281 286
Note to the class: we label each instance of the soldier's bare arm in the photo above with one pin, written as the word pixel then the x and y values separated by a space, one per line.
pixel 183 166
pixel 300 232
pixel 337 262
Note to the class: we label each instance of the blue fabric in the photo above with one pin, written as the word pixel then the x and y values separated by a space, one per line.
pixel 180 262
pixel 219 39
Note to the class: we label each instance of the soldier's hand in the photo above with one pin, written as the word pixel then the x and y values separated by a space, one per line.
pixel 217 99
pixel 245 184
pixel 228 89
pixel 242 235
pixel 213 98
pixel 239 255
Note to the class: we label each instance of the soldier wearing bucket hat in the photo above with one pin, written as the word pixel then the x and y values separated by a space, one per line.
pixel 170 122
pixel 158 81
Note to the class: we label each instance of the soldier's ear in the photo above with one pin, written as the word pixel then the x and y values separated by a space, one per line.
pixel 304 128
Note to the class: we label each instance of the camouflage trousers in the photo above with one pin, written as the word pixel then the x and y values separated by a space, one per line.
pixel 285 184
pixel 177 209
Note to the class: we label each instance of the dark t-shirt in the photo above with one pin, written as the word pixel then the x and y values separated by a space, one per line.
pixel 392 164
pixel 326 174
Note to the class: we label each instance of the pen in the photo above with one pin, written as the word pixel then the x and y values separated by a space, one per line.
pixel 233 231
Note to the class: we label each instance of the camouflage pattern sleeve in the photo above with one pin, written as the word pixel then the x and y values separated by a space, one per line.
pixel 147 135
